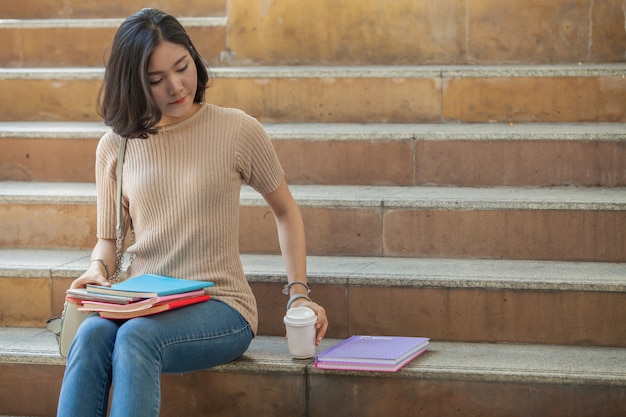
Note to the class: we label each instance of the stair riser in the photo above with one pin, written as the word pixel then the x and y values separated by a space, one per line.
pixel 304 162
pixel 567 235
pixel 396 162
pixel 474 315
pixel 59 47
pixel 234 394
pixel 416 100
pixel 15 312
pixel 48 159
pixel 444 314
pixel 457 314
pixel 48 225
pixel 359 100
pixel 48 9
pixel 520 163
pixel 29 389
pixel 404 32
pixel 285 394
pixel 231 393
pixel 510 234
pixel 576 99
pixel 361 396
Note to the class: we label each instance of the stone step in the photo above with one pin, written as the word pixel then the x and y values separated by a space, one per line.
pixel 560 223
pixel 445 154
pixel 86 42
pixel 447 299
pixel 55 9
pixel 386 94
pixel 450 378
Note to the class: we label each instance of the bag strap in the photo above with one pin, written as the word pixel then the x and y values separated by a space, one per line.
pixel 120 170
pixel 119 233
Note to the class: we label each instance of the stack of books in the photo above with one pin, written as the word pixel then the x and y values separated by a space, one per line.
pixel 372 353
pixel 139 296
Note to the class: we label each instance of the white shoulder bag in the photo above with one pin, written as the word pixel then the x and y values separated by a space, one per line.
pixel 65 326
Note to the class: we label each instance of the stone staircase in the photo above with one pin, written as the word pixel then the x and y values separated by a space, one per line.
pixel 460 167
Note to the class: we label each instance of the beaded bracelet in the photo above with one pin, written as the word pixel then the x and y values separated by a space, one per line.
pixel 106 268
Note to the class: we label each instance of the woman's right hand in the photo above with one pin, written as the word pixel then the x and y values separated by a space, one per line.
pixel 95 274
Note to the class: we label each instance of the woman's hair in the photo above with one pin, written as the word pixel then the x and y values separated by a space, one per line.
pixel 125 99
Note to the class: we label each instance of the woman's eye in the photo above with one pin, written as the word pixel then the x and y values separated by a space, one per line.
pixel 183 69
pixel 155 82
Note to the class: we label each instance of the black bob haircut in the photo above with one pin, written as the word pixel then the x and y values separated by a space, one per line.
pixel 125 99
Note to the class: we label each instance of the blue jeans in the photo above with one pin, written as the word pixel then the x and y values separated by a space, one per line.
pixel 132 355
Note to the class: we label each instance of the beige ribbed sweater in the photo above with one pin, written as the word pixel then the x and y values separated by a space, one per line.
pixel 181 188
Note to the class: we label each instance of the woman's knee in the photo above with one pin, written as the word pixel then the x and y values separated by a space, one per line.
pixel 138 334
pixel 137 345
pixel 95 333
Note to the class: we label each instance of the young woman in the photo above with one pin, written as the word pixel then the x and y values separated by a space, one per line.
pixel 184 165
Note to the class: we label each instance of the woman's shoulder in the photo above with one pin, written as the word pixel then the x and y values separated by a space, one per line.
pixel 109 138
pixel 228 113
pixel 108 144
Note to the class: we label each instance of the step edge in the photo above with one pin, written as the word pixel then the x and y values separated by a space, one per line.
pixel 440 362
pixel 353 271
pixel 445 131
pixel 423 71
pixel 371 71
pixel 52 130
pixel 451 198
pixel 365 196
pixel 606 132
pixel 517 275
pixel 90 23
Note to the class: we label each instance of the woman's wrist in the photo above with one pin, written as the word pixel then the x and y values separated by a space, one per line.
pixel 297 290
pixel 298 287
pixel 296 297
pixel 101 266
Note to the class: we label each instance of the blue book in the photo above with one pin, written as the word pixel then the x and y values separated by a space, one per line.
pixel 148 286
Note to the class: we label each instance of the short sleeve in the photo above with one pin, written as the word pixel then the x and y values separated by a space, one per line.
pixel 256 158
pixel 106 185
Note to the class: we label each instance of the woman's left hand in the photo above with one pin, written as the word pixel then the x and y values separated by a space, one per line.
pixel 322 321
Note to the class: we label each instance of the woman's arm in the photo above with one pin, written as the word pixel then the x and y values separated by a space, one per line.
pixel 103 254
pixel 293 248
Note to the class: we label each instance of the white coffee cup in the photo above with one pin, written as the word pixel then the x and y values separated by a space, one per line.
pixel 300 326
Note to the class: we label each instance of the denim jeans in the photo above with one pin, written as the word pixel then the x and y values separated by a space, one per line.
pixel 132 354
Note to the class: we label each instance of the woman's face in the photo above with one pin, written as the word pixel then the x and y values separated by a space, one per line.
pixel 173 80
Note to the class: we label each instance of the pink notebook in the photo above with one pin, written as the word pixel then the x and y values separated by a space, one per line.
pixel 372 353
pixel 142 304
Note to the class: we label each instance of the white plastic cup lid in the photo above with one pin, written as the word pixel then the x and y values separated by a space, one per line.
pixel 300 316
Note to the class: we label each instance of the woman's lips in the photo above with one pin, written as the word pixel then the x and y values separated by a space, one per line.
pixel 180 101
